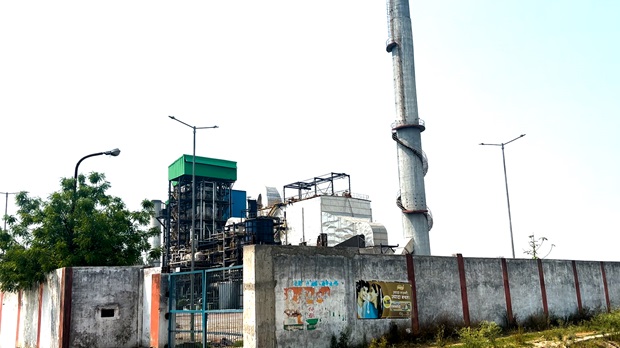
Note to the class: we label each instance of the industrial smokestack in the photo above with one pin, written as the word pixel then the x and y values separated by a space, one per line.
pixel 155 241
pixel 406 131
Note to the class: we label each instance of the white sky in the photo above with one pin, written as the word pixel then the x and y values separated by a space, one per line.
pixel 301 89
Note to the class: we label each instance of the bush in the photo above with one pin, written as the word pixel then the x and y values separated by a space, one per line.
pixel 485 334
pixel 536 322
pixel 440 339
pixel 510 322
pixel 606 322
pixel 581 316
pixel 342 341
pixel 471 338
pixel 379 343
pixel 448 327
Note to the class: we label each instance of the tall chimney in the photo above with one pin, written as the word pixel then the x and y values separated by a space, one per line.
pixel 406 131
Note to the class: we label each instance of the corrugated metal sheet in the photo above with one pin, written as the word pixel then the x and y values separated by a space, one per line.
pixel 206 167
pixel 345 206
pixel 339 217
pixel 341 228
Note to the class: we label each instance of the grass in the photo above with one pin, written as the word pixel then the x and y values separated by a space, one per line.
pixel 581 330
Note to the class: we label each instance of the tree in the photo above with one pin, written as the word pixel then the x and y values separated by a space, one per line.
pixel 535 245
pixel 80 225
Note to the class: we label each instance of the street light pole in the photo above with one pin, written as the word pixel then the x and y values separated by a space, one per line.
pixel 193 219
pixel 6 204
pixel 512 243
pixel 193 187
pixel 114 153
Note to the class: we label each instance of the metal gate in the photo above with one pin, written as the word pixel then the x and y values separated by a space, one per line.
pixel 206 308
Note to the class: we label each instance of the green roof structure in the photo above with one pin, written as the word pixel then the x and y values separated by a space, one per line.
pixel 206 167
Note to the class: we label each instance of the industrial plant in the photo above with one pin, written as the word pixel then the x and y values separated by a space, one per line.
pixel 322 211
pixel 206 223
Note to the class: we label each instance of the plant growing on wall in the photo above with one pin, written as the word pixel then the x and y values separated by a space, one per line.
pixel 535 247
pixel 80 225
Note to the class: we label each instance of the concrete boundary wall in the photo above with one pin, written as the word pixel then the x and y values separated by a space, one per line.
pixel 93 307
pixel 296 296
pixel 31 318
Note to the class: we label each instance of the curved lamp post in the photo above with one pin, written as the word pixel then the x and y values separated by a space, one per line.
pixel 114 152
pixel 512 243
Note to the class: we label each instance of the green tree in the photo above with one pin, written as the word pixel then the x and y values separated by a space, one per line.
pixel 80 225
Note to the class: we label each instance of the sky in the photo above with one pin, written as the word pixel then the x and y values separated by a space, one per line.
pixel 302 89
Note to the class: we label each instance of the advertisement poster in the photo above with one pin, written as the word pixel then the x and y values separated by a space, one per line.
pixel 383 300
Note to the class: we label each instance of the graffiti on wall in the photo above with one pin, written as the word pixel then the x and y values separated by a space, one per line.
pixel 309 303
pixel 382 300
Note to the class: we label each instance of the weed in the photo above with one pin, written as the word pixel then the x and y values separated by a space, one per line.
pixel 440 340
pixel 519 337
pixel 559 335
pixel 536 322
pixel 471 338
pixel 491 331
pixel 605 322
pixel 583 315
pixel 509 322
pixel 379 343
pixel 448 326
pixel 342 341
pixel 393 336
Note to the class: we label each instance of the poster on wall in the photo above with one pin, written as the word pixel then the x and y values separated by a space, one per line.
pixel 383 300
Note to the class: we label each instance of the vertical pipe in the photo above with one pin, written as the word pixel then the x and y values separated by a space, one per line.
pixel 285 236
pixel 214 213
pixel 167 228
pixel 407 130
pixel 303 227
pixel 203 210
pixel 191 239
pixel 192 231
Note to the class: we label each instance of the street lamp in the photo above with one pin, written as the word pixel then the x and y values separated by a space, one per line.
pixel 512 243
pixel 6 204
pixel 191 240
pixel 193 187
pixel 114 153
